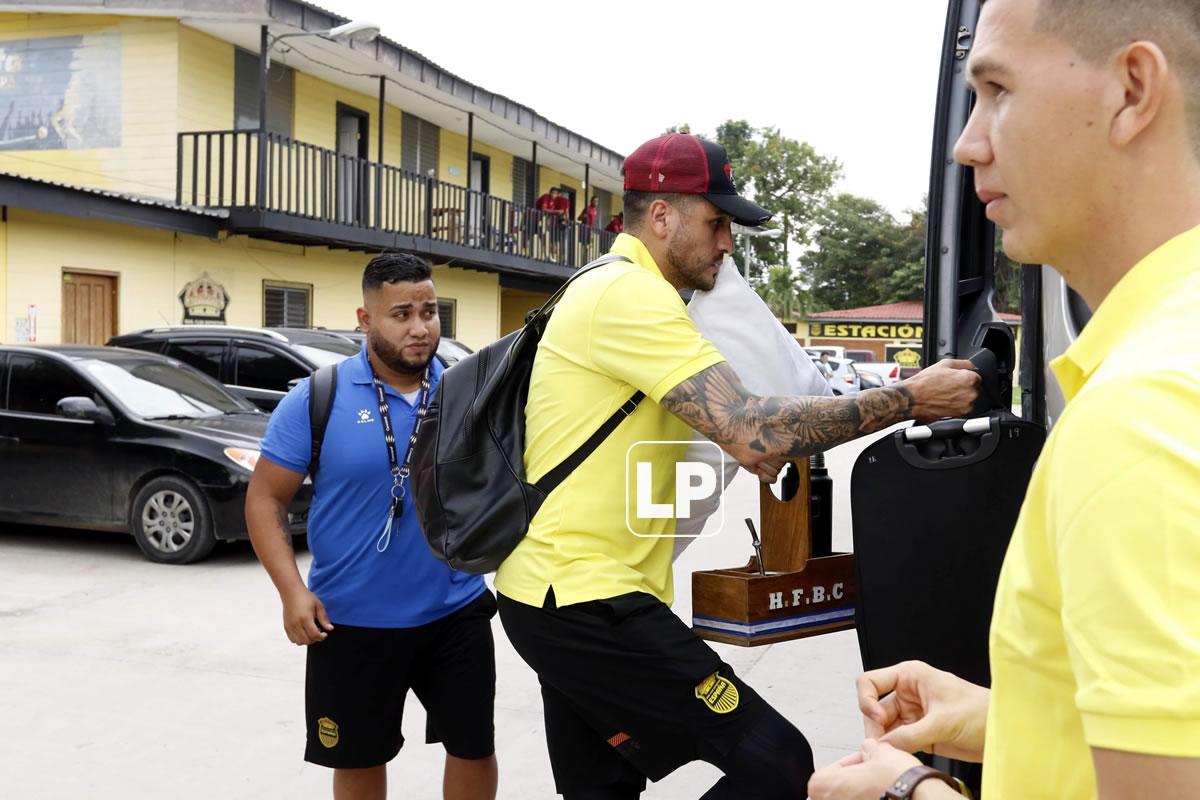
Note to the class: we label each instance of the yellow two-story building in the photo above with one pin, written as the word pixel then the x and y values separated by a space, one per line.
pixel 238 161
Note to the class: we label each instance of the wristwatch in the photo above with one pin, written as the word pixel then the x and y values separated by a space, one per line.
pixel 904 786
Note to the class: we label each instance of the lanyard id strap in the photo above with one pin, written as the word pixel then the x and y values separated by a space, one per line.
pixel 399 470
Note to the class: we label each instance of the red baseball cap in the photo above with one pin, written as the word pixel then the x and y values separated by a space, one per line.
pixel 686 164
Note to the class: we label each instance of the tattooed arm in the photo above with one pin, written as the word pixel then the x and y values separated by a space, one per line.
pixel 267 498
pixel 752 428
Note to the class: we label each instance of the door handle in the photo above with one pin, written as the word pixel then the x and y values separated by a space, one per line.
pixel 10 439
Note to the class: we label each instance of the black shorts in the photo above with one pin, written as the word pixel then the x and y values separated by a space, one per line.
pixel 358 678
pixel 629 692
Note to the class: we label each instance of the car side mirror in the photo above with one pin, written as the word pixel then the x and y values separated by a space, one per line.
pixel 84 408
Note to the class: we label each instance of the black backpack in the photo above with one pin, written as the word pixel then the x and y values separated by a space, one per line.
pixel 468 466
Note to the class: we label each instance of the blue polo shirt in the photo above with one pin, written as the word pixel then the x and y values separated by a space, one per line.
pixel 404 586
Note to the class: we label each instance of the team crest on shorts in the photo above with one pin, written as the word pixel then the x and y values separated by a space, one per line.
pixel 327 732
pixel 719 694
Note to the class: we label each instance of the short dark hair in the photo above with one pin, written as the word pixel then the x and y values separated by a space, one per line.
pixel 555 189
pixel 393 268
pixel 1098 28
pixel 638 203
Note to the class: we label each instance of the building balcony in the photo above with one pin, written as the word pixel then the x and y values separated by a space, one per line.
pixel 297 192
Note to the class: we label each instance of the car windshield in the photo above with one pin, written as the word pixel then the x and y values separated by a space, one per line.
pixel 154 389
pixel 331 352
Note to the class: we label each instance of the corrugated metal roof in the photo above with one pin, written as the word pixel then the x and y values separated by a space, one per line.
pixel 140 199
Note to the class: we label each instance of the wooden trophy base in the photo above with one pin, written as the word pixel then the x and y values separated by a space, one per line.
pixel 740 606
pixel 798 596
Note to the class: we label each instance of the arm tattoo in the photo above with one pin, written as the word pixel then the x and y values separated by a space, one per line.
pixel 716 404
pixel 281 516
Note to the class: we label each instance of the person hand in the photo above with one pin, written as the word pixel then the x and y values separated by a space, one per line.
pixel 767 470
pixel 945 389
pixel 304 618
pixel 913 706
pixel 861 776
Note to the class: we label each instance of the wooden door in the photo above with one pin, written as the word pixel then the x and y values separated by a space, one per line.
pixel 89 308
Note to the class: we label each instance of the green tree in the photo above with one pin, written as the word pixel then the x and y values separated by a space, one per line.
pixel 907 281
pixel 1007 276
pixel 785 176
pixel 782 293
pixel 858 246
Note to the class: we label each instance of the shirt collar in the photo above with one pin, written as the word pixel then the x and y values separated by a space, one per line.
pixel 634 249
pixel 1134 296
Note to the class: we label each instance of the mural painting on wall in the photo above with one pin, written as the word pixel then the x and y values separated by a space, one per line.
pixel 60 92
pixel 204 300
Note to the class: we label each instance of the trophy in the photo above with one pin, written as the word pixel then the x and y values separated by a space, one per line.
pixel 784 592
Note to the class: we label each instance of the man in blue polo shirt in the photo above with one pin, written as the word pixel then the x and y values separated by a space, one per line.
pixel 380 614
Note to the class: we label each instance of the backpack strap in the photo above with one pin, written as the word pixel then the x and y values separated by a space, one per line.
pixel 321 390
pixel 550 481
pixel 554 477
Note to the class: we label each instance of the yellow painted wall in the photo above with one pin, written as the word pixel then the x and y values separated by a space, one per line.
pixel 550 177
pixel 514 305
pixel 153 267
pixel 205 82
pixel 144 162
pixel 501 178
pixel 315 118
pixel 452 156
pixel 477 296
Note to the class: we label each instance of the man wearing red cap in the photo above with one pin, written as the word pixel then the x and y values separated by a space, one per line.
pixel 629 692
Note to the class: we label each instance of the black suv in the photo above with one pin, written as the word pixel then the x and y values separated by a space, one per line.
pixel 260 364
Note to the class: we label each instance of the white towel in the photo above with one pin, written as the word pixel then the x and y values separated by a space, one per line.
pixel 766 357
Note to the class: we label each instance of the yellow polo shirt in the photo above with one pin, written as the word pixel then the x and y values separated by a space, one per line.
pixel 1095 638
pixel 618 329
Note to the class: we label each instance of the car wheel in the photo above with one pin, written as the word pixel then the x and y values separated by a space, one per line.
pixel 171 523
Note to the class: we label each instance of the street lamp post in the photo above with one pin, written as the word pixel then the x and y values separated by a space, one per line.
pixel 755 232
pixel 354 31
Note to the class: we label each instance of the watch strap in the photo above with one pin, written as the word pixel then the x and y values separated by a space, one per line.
pixel 903 787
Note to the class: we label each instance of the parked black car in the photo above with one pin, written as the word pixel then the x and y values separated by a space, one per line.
pixel 114 439
pixel 259 364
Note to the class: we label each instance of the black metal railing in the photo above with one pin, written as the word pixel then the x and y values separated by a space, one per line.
pixel 221 169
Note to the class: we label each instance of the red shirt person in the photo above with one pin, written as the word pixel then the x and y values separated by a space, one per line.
pixel 617 224
pixel 588 215
pixel 548 201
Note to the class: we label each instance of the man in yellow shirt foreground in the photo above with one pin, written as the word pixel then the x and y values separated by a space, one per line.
pixel 1084 141
pixel 629 692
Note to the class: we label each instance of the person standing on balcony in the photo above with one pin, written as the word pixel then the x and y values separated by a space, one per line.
pixel 380 614
pixel 549 219
pixel 587 220
pixel 629 691
pixel 616 224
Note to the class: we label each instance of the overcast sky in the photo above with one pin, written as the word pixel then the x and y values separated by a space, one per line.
pixel 857 80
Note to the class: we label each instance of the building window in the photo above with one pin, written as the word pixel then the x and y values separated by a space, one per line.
pixel 287 305
pixel 446 313
pixel 524 181
pixel 281 93
pixel 419 145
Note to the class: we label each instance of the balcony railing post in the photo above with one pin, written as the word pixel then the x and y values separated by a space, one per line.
pixel 429 207
pixel 179 170
pixel 263 68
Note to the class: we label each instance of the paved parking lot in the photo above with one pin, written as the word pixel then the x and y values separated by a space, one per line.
pixel 126 679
